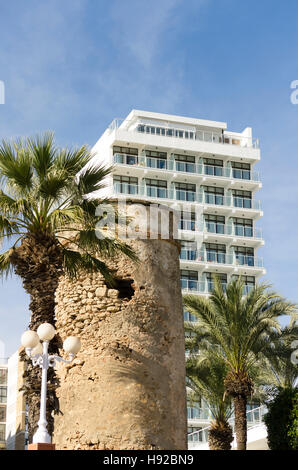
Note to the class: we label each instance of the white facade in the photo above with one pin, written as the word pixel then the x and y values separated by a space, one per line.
pixel 3 399
pixel 209 173
pixel 15 418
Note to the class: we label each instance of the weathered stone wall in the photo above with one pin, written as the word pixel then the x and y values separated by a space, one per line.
pixel 126 388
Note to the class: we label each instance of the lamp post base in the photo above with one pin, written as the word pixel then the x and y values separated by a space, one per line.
pixel 41 446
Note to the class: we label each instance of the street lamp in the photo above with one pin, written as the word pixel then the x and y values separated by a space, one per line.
pixel 38 353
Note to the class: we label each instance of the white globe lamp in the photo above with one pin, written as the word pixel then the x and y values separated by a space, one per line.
pixel 29 339
pixel 46 332
pixel 72 345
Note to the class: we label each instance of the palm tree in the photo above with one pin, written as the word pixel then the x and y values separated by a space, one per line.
pixel 50 225
pixel 206 373
pixel 279 371
pixel 242 326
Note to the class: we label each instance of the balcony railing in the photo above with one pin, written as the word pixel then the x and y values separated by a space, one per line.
pixel 201 287
pixel 220 258
pixel 221 229
pixel 187 196
pixel 197 413
pixel 254 417
pixel 185 167
pixel 205 287
pixel 201 135
pixel 189 225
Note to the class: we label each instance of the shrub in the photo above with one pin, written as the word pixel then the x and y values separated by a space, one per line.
pixel 282 420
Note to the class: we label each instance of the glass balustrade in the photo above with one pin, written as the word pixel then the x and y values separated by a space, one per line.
pixel 197 413
pixel 156 192
pixel 187 225
pixel 182 195
pixel 192 285
pixel 215 199
pixel 187 167
pixel 189 255
pixel 126 188
pixel 210 286
pixel 216 257
pixel 124 159
pixel 249 260
pixel 220 258
pixel 158 163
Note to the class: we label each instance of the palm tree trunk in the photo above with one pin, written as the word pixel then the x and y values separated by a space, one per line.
pixel 38 262
pixel 240 421
pixel 220 436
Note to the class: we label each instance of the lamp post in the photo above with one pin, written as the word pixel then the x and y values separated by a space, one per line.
pixel 38 353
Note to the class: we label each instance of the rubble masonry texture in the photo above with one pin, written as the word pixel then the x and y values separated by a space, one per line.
pixel 126 388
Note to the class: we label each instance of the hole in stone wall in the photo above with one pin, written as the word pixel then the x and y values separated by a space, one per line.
pixel 126 291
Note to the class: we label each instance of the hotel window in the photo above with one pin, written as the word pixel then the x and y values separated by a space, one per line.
pixel 156 188
pixel 210 280
pixel 185 163
pixel 249 282
pixel 213 167
pixel 3 394
pixel 185 191
pixel 125 155
pixel 214 223
pixel 241 170
pixel 189 279
pixel 156 159
pixel 242 198
pixel 188 251
pixel 243 227
pixel 125 184
pixel 244 255
pixel 160 131
pixel 2 432
pixel 3 376
pixel 189 317
pixel 215 253
pixel 189 135
pixel 213 195
pixel 187 221
pixel 2 414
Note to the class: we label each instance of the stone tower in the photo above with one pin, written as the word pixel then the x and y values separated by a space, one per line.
pixel 126 388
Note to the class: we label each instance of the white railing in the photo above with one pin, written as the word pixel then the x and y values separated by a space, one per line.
pixel 254 418
pixel 157 192
pixel 185 167
pixel 167 131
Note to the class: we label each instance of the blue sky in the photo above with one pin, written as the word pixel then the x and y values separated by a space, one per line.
pixel 73 65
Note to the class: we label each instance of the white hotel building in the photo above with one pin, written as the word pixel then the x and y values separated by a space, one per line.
pixel 170 159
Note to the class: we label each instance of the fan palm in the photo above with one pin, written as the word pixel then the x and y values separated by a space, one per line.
pixel 242 326
pixel 49 223
pixel 206 373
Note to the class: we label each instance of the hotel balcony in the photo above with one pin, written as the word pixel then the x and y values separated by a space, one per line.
pixel 205 287
pixel 195 172
pixel 226 205
pixel 226 262
pixel 194 139
pixel 222 233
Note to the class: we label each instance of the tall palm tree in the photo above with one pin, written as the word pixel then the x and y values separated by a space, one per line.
pixel 206 373
pixel 241 325
pixel 49 223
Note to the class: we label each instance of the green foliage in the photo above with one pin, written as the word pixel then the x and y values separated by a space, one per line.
pixel 293 426
pixel 240 325
pixel 282 420
pixel 206 373
pixel 48 192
